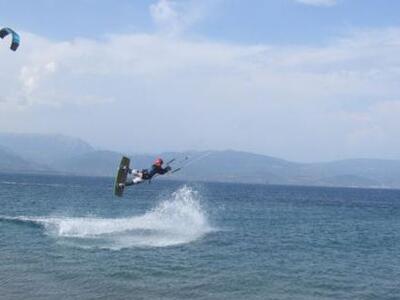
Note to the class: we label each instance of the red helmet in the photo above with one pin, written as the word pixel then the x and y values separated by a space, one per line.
pixel 158 162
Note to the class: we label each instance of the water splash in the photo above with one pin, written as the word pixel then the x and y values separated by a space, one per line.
pixel 178 220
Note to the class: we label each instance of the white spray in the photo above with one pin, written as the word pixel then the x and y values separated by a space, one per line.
pixel 178 220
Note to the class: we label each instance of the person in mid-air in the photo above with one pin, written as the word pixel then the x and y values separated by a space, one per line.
pixel 138 176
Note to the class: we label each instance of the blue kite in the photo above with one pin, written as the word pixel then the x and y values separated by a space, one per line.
pixel 14 37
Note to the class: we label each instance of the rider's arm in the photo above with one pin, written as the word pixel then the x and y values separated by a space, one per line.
pixel 165 170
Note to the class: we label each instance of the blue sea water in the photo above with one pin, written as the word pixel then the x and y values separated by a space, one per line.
pixel 69 238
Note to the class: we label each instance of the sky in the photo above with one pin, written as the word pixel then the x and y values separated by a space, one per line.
pixel 303 80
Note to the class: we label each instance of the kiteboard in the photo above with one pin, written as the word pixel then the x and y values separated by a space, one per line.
pixel 121 176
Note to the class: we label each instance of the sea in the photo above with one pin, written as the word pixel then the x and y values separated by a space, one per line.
pixel 69 238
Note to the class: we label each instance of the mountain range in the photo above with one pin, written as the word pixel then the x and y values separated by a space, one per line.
pixel 58 154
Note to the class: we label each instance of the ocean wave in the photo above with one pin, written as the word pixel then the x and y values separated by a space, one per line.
pixel 178 220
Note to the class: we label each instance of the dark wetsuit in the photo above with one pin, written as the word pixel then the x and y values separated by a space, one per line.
pixel 148 174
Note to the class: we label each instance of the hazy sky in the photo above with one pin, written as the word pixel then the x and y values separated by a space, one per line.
pixel 305 80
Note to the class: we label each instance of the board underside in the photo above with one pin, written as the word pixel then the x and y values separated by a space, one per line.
pixel 121 176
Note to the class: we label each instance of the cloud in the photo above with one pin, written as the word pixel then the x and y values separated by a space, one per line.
pixel 164 14
pixel 52 73
pixel 318 2
pixel 174 17
pixel 150 92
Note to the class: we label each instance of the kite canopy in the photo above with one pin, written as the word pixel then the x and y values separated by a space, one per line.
pixel 15 37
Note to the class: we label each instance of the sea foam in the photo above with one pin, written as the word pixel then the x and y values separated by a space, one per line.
pixel 177 220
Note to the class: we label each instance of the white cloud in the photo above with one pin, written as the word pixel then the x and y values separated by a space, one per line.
pixel 318 2
pixel 145 92
pixel 164 14
pixel 174 17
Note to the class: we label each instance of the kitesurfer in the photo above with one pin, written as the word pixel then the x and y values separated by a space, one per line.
pixel 138 176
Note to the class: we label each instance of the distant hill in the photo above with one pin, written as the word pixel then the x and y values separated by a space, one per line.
pixel 378 172
pixel 66 155
pixel 236 166
pixel 10 162
pixel 101 163
pixel 348 181
pixel 95 163
pixel 43 149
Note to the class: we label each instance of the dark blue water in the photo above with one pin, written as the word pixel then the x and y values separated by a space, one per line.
pixel 69 238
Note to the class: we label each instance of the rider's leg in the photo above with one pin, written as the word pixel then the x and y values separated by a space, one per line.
pixel 137 180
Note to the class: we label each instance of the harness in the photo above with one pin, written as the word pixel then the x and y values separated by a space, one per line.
pixel 145 174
